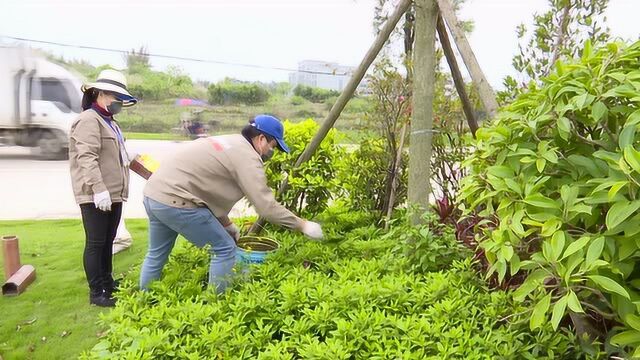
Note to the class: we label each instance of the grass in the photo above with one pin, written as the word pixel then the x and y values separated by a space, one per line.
pixel 32 324
pixel 160 117
pixel 153 136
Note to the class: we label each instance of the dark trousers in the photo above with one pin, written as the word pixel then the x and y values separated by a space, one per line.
pixel 100 229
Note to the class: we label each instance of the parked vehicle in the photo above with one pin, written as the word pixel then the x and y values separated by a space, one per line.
pixel 38 102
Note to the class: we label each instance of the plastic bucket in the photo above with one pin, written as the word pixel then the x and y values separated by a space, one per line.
pixel 253 249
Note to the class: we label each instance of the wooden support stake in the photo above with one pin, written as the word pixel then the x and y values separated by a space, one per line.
pixel 394 179
pixel 345 96
pixel 487 96
pixel 457 76
pixel 424 69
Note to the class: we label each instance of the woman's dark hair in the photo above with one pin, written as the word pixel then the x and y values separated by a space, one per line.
pixel 89 97
pixel 249 131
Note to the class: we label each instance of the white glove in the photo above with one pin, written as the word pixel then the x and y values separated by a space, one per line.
pixel 132 155
pixel 312 230
pixel 102 201
pixel 233 230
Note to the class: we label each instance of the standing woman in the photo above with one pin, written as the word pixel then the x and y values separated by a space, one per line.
pixel 99 167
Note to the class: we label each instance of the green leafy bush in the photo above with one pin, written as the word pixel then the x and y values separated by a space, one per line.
pixel 350 300
pixel 297 100
pixel 311 185
pixel 364 172
pixel 313 94
pixel 147 84
pixel 227 93
pixel 560 170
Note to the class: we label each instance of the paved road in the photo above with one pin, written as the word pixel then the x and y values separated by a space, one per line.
pixel 36 189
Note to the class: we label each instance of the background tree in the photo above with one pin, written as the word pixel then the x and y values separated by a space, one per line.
pixel 557 34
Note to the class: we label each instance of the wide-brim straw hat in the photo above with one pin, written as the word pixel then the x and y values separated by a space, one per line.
pixel 114 82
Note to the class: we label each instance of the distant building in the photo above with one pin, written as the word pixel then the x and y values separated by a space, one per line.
pixel 325 75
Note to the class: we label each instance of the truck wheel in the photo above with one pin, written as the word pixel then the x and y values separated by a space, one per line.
pixel 51 147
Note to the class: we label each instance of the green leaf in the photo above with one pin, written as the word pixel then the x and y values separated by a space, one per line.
pixel 610 285
pixel 633 321
pixel 595 250
pixel 557 244
pixel 573 302
pixel 620 211
pixel 558 312
pixel 564 127
pixel 550 226
pixel 627 136
pixel 533 281
pixel 626 338
pixel 539 312
pixel 507 252
pixel 633 119
pixel 598 110
pixel 632 157
pixel 568 194
pixel 585 164
pixel 500 171
pixel 582 101
pixel 615 188
pixel 516 223
pixel 580 209
pixel 576 246
pixel 541 201
pixel 610 157
pixel 587 52
pixel 540 164
pixel 514 265
pixel 572 264
pixel 551 156
pixel 513 185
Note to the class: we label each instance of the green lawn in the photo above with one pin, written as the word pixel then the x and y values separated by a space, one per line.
pixel 154 136
pixel 160 117
pixel 32 324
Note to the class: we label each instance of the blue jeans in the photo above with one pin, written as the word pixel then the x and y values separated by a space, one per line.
pixel 200 227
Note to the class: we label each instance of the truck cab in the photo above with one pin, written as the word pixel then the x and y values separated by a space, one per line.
pixel 40 101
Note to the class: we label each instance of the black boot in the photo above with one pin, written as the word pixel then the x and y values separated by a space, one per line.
pixel 112 288
pixel 101 298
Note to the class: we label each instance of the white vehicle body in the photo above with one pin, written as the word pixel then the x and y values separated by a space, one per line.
pixel 39 100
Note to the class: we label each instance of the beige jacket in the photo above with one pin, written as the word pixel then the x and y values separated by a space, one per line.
pixel 95 159
pixel 216 172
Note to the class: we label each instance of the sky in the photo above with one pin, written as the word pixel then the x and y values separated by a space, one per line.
pixel 268 33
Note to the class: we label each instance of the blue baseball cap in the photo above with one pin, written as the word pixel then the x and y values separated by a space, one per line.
pixel 271 125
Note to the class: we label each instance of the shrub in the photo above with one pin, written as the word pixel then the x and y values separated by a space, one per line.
pixel 311 185
pixel 147 84
pixel 560 171
pixel 227 92
pixel 297 100
pixel 349 300
pixel 364 173
pixel 313 94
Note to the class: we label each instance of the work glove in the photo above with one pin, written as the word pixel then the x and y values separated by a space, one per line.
pixel 102 201
pixel 312 230
pixel 132 155
pixel 233 230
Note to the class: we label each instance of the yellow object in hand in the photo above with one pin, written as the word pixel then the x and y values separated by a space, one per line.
pixel 149 162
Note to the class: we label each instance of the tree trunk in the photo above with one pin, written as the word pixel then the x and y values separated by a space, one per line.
pixel 424 66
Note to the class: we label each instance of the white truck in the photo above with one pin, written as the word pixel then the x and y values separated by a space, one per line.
pixel 38 102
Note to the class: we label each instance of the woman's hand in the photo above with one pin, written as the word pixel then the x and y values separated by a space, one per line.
pixel 102 201
pixel 312 230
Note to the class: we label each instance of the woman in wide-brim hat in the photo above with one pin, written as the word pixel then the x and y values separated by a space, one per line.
pixel 99 166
